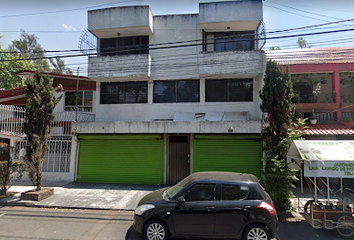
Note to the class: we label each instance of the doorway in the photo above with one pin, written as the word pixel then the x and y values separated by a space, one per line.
pixel 179 158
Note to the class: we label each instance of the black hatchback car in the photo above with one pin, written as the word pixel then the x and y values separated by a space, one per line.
pixel 208 205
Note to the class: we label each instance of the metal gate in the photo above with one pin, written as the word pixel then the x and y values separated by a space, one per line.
pixel 56 160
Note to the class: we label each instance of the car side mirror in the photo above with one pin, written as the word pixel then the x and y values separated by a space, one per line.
pixel 181 201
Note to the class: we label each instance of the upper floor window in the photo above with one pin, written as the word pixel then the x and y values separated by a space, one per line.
pixel 313 88
pixel 124 45
pixel 123 92
pixel 170 91
pixel 229 90
pixel 228 41
pixel 83 103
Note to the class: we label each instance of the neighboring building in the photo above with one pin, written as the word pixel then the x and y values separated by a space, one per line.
pixel 175 94
pixel 323 81
pixel 60 162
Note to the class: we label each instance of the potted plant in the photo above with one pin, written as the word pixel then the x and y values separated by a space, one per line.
pixel 313 118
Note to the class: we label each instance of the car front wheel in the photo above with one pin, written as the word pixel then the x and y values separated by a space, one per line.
pixel 156 230
pixel 256 232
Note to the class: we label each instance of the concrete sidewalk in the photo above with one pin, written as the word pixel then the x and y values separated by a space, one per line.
pixel 98 196
pixel 82 195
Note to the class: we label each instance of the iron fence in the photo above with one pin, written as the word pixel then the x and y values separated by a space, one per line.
pixel 56 160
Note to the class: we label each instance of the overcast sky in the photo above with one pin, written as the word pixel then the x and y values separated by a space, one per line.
pixel 59 24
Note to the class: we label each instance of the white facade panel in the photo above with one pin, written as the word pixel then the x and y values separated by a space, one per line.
pixel 231 11
pixel 165 111
pixel 174 48
pixel 236 63
pixel 222 127
pixel 121 19
pixel 120 66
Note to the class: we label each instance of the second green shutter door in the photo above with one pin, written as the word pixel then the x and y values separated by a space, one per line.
pixel 228 153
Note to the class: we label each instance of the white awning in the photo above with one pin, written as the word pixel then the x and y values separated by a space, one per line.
pixel 323 158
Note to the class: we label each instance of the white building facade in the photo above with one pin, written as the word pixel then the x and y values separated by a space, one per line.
pixel 175 94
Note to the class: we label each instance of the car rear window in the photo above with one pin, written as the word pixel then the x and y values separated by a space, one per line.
pixel 234 192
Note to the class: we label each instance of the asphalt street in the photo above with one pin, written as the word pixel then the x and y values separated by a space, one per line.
pixel 19 223
pixel 27 223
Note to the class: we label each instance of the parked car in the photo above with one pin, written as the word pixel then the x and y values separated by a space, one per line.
pixel 208 205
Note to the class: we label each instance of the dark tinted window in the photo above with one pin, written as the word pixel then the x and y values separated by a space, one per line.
pixel 234 192
pixel 200 192
pixel 229 41
pixel 304 91
pixel 123 92
pixel 176 91
pixel 108 46
pixel 229 90
pixel 124 45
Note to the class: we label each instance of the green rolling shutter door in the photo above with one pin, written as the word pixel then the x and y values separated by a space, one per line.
pixel 228 153
pixel 129 159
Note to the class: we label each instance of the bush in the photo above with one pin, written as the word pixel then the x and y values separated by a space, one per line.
pixel 277 180
pixel 10 171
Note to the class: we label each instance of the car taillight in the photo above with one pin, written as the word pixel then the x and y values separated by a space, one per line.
pixel 268 207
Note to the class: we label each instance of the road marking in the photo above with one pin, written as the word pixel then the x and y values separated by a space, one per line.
pixel 3 214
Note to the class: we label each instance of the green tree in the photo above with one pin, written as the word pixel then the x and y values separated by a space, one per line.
pixel 276 98
pixel 59 66
pixel 39 115
pixel 274 48
pixel 28 48
pixel 301 42
pixel 9 66
pixel 10 171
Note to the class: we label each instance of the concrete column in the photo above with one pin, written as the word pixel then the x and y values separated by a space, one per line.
pixel 12 149
pixel 74 156
pixel 202 91
pixel 191 152
pixel 165 142
pixel 150 91
pixel 336 88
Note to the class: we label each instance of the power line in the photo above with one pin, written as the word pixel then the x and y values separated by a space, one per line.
pixel 69 10
pixel 296 13
pixel 317 14
pixel 310 26
pixel 198 40
pixel 172 45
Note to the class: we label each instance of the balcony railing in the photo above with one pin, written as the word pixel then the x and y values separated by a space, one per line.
pixel 138 65
pixel 233 62
pixel 12 119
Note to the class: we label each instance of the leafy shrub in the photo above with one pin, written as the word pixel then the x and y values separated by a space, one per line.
pixel 10 170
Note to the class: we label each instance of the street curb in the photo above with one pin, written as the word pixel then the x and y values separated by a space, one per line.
pixel 29 204
pixel 22 204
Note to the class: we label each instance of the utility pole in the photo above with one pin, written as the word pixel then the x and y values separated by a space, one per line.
pixel 77 93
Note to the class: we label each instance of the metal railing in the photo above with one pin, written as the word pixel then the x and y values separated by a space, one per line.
pixel 72 115
pixel 56 160
pixel 13 117
pixel 349 116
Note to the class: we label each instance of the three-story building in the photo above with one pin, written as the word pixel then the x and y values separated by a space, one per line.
pixel 175 94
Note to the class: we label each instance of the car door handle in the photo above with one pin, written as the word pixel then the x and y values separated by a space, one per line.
pixel 210 208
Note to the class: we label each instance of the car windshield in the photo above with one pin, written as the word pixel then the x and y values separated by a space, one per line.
pixel 174 190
